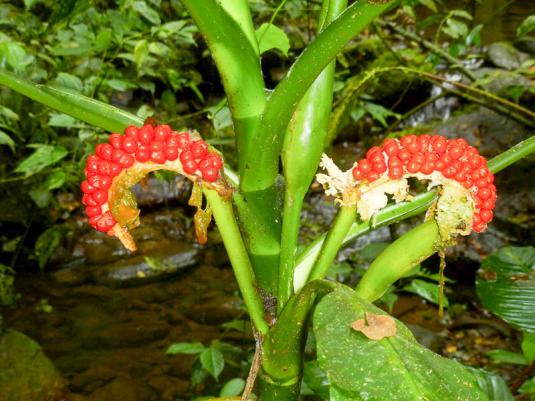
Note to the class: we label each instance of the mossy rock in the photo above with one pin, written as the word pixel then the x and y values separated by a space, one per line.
pixel 26 374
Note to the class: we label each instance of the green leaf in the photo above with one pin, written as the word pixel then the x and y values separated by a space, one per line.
pixel 46 244
pixel 69 81
pixel 526 26
pixel 233 387
pixel 212 361
pixel 474 37
pixel 61 120
pixel 528 387
pixel 78 106
pixel 493 385
pixel 15 55
pixel 146 12
pixel 503 356
pixel 55 180
pixel 380 113
pixel 461 14
pixel 141 51
pixel 506 285
pixel 429 4
pixel 5 139
pixel 192 348
pixel 455 29
pixel 40 196
pixel 426 290
pixel 528 347
pixel 120 85
pixel 270 37
pixel 44 156
pixel 394 368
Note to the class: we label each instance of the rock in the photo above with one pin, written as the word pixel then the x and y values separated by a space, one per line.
pixel 489 131
pixel 91 379
pixel 142 329
pixel 215 311
pixel 122 389
pixel 499 81
pixel 156 191
pixel 166 258
pixel 72 276
pixel 504 55
pixel 526 44
pixel 26 374
pixel 170 389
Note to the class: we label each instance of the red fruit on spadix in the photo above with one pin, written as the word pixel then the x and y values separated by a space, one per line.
pixel 426 155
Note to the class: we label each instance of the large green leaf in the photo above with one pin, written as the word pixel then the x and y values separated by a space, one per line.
pixel 506 285
pixel 72 103
pixel 394 368
pixel 494 385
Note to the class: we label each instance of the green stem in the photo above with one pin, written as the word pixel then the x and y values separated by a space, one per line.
pixel 74 104
pixel 291 220
pixel 334 240
pixel 512 155
pixel 227 28
pixel 228 227
pixel 398 259
pixel 301 153
pixel 261 167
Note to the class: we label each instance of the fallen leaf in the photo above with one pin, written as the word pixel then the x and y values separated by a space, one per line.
pixel 375 327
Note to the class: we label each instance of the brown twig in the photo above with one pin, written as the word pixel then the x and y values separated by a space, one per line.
pixel 255 366
pixel 524 375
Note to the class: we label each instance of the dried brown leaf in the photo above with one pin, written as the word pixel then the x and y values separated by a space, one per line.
pixel 375 327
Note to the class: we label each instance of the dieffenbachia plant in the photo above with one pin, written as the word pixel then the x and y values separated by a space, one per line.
pixel 362 352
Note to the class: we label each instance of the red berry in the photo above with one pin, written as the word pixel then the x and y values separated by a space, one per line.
pixel 490 178
pixel 122 158
pixel 171 153
pixel 394 162
pixel 418 158
pixel 131 131
pixel 216 161
pixel 488 204
pixel 106 222
pixel 100 181
pixel 379 167
pixel 189 166
pixel 413 167
pixel 162 132
pixel 93 211
pixel 456 152
pixel 88 200
pixel 391 148
pixel 186 156
pixel 482 182
pixel 129 145
pixel 92 163
pixel 143 154
pixel 486 216
pixel 376 157
pixel 205 163
pixel 449 172
pixel 423 141
pixel 87 188
pixel 365 166
pixel 413 147
pixel 116 140
pixel 357 175
pixel 395 173
pixel 460 176
pixel 468 183
pixel 100 196
pixel 158 157
pixel 484 193
pixel 183 140
pixel 439 144
pixel 199 149
pixel 156 146
pixel 404 155
pixel 372 176
pixel 145 134
pixel 104 151
pixel 407 139
pixel 428 167
pixel 210 174
pixel 373 150
pixel 115 169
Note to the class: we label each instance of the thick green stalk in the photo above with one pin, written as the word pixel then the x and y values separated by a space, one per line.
pixel 261 167
pixel 228 228
pixel 283 346
pixel 400 211
pixel 301 153
pixel 398 259
pixel 91 111
pixel 227 28
pixel 334 240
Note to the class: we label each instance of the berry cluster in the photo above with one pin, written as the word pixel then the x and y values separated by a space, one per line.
pixel 420 155
pixel 148 144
